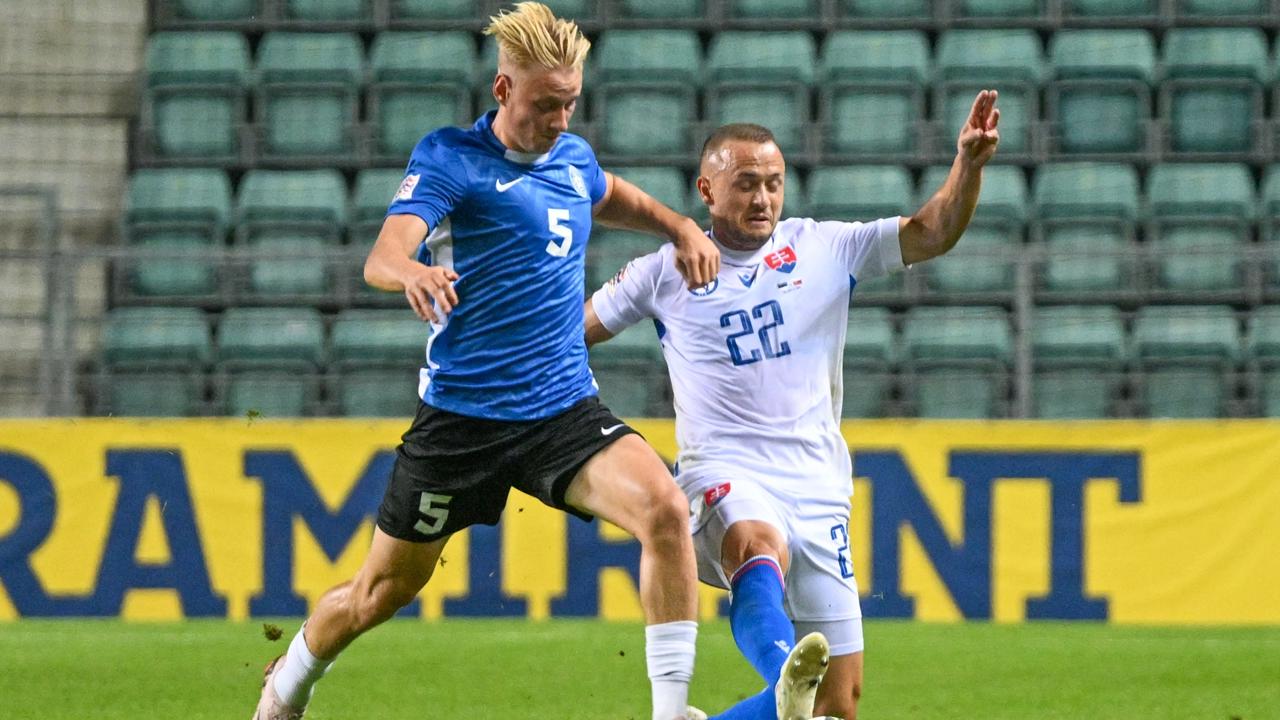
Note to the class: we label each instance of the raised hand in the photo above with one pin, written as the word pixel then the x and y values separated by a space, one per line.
pixel 979 136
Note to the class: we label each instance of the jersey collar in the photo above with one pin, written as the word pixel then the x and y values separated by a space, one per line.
pixel 484 127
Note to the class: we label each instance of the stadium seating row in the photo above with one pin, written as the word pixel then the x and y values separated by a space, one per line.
pixel 364 13
pixel 1104 91
pixel 955 360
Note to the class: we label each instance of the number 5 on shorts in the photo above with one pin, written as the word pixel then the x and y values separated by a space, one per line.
pixel 434 508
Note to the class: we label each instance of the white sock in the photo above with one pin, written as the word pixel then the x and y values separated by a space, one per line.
pixel 669 649
pixel 299 673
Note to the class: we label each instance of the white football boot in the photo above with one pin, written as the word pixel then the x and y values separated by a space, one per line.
pixel 801 674
pixel 270 706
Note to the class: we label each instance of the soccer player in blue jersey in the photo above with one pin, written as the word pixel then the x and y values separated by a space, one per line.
pixel 486 237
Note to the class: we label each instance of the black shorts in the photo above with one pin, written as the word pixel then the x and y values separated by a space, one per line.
pixel 453 471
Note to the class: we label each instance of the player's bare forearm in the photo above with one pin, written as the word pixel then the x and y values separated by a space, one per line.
pixel 594 329
pixel 937 226
pixel 390 261
pixel 630 208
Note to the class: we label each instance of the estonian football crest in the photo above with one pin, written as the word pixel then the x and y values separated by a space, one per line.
pixel 579 185
pixel 783 260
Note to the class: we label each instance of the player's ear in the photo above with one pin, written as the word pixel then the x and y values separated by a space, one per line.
pixel 704 190
pixel 501 88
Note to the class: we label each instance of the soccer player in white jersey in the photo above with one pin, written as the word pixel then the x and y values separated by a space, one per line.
pixel 755 360
pixel 486 237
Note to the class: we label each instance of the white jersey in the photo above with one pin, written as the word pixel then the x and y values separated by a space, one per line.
pixel 756 356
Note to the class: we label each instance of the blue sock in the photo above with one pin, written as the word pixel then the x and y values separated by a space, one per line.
pixel 761 629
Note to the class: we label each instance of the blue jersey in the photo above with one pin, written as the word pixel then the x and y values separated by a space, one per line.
pixel 514 226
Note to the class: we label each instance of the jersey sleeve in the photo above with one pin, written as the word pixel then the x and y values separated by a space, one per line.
pixel 434 182
pixel 868 250
pixel 629 296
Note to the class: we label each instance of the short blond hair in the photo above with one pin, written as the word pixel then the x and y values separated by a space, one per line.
pixel 532 34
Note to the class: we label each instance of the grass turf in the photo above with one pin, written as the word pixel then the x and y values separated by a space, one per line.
pixel 585 669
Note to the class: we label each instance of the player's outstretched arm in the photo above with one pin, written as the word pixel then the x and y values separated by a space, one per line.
pixel 937 226
pixel 595 330
pixel 626 206
pixel 390 267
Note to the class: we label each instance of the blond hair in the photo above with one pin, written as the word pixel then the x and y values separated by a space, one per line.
pixel 533 34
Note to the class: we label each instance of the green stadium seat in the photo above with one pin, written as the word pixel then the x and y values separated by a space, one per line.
pixel 434 9
pixel 268 394
pixel 156 336
pixel 971 60
pixel 1197 258
pixel 328 11
pixel 377 393
pixel 308 88
pixel 1078 336
pixel 1219 8
pixel 865 393
pixel 644 74
pixel 1090 257
pixel 629 372
pixel 370 200
pixel 577 10
pixel 1212 92
pixel 1269 209
pixel 390 338
pixel 869 340
pixel 1187 335
pixel 958 357
pixel 610 250
pixel 957 394
pixel 310 200
pixel 195 92
pixel 661 9
pixel 193 199
pixel 957 334
pixel 872 97
pixel 998 8
pixel 173 263
pixel 1072 394
pixel 666 184
pixel 981 262
pixel 1200 220
pixel 271 336
pixel 1264 335
pixel 1270 394
pixel 420 81
pixel 860 193
pixel 1213 190
pixel 215 10
pixel 1104 10
pixel 1184 392
pixel 886 9
pixel 284 264
pixel 762 77
pixel 791 10
pixel 1079 190
pixel 153 394
pixel 1101 90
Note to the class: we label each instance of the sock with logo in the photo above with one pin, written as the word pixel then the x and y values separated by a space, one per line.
pixel 761 629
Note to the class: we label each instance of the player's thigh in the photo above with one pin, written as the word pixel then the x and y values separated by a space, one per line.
pixel 841 687
pixel 734 519
pixel 624 483
pixel 397 569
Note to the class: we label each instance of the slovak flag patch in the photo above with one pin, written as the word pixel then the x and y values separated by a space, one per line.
pixel 713 496
pixel 783 260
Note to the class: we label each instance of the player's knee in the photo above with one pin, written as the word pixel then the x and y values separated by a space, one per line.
pixel 667 517
pixel 378 603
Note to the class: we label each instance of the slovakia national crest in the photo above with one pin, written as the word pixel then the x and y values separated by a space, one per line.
pixel 707 289
pixel 783 260
pixel 713 496
pixel 579 185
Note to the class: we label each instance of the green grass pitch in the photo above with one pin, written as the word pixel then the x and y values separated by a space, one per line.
pixel 496 669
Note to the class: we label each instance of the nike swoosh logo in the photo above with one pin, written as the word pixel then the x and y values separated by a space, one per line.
pixel 503 187
pixel 611 430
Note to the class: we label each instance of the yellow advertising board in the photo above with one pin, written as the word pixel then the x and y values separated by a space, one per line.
pixel 1127 522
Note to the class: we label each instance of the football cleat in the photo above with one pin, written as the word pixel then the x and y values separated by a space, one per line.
pixel 693 713
pixel 270 706
pixel 801 674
